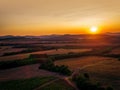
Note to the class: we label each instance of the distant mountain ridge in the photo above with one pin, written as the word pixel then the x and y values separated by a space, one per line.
pixel 61 37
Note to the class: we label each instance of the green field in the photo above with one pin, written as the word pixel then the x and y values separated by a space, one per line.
pixel 24 84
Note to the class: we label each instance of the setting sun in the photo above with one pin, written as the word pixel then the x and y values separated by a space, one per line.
pixel 93 30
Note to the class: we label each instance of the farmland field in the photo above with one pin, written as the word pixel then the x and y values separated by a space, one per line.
pixel 74 63
pixel 96 56
pixel 27 71
pixel 102 69
pixel 115 51
pixel 49 52
pixel 10 50
pixel 106 72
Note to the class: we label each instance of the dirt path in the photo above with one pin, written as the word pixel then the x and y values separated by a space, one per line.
pixel 70 83
pixel 66 79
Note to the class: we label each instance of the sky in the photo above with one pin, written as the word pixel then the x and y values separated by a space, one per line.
pixel 43 17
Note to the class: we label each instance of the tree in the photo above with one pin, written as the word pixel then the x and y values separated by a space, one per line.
pixel 83 82
pixel 109 88
pixel 86 75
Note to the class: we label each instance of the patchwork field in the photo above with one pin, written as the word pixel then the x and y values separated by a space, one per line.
pixel 92 54
pixel 49 52
pixel 10 50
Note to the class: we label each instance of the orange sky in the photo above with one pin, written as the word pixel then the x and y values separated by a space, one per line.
pixel 39 17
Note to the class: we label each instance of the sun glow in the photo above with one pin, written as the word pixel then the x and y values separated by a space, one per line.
pixel 94 30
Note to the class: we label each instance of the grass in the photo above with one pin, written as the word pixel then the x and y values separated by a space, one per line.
pixel 16 63
pixel 58 85
pixel 24 84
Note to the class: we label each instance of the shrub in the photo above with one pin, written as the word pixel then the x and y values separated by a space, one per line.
pixel 49 65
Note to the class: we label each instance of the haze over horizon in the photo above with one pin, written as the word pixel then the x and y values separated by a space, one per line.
pixel 43 17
